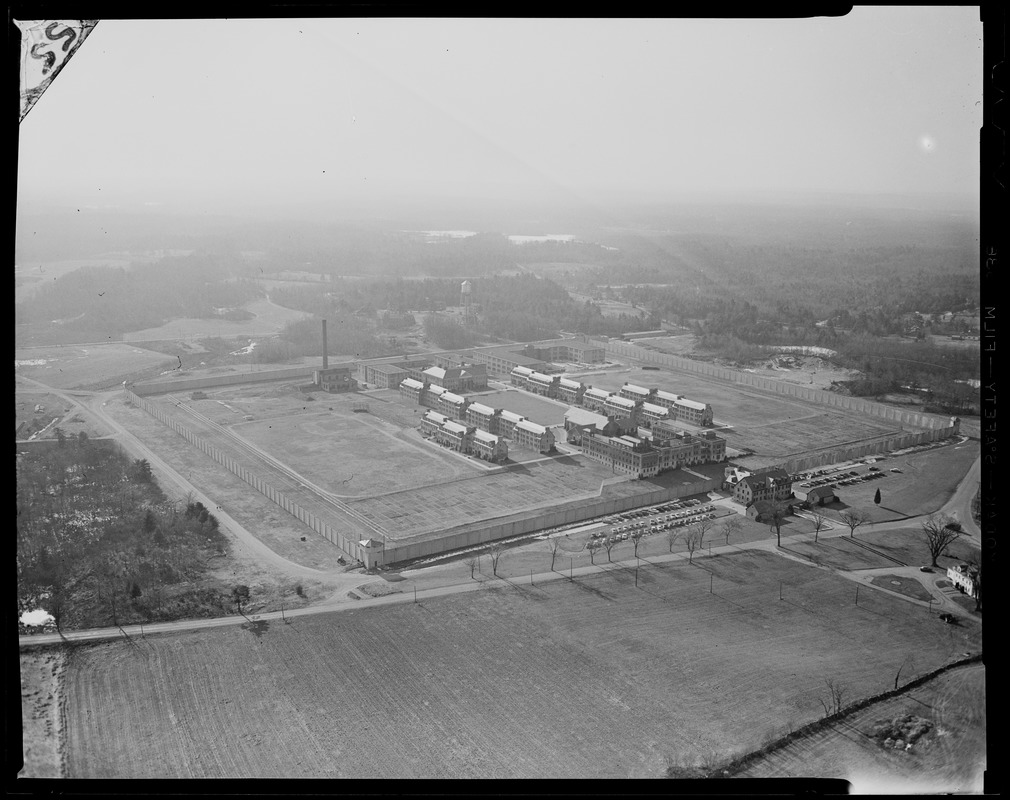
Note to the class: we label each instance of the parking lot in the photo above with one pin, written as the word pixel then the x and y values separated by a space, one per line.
pixel 840 476
pixel 676 514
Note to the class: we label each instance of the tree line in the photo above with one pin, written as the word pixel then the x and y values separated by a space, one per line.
pixel 98 543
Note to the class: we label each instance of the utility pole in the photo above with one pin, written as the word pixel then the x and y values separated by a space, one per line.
pixel 780 590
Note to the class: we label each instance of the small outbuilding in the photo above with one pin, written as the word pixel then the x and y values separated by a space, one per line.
pixel 821 496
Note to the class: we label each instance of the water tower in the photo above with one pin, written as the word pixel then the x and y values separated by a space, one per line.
pixel 466 300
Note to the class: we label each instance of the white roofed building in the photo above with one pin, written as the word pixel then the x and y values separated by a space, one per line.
pixel 530 436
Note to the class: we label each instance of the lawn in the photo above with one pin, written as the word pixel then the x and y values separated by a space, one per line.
pixel 538 409
pixel 594 678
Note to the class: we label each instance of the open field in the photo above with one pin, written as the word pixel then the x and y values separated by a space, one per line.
pixel 950 757
pixel 354 454
pixel 77 367
pixel 269 319
pixel 591 678
pixel 541 410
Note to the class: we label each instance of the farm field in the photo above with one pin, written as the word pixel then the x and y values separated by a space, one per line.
pixel 950 757
pixel 538 409
pixel 593 678
pixel 91 366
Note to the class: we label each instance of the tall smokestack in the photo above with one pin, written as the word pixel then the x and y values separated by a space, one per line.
pixel 325 364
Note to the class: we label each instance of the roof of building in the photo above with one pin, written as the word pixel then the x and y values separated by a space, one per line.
pixel 388 369
pixel 601 393
pixel 652 408
pixel 623 402
pixel 434 416
pixel 582 416
pixel 539 377
pixel 667 395
pixel 532 427
pixel 524 371
pixel 484 436
pixel 455 427
pixel 449 397
pixel 691 404
pixel 480 408
pixel 410 383
pixel 631 387
pixel 568 383
pixel 511 416
pixel 821 491
pixel 435 389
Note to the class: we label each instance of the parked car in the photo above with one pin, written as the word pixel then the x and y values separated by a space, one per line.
pixel 950 619
pixel 893 469
pixel 925 569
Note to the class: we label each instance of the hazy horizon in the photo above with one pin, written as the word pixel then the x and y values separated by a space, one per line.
pixel 252 117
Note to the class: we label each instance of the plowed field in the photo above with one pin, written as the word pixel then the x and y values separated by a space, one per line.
pixel 592 678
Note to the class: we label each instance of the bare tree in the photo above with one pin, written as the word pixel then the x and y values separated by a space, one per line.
pixel 592 546
pixel 609 543
pixel 692 540
pixel 854 518
pixel 775 514
pixel 704 525
pixel 239 594
pixel 471 561
pixel 820 523
pixel 939 535
pixel 731 525
pixel 553 544
pixel 673 537
pixel 636 539
pixel 495 552
pixel 836 697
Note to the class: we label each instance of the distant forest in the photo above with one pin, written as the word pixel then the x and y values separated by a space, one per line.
pixel 738 276
pixel 103 303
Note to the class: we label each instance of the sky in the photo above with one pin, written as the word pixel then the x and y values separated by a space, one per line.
pixel 228 113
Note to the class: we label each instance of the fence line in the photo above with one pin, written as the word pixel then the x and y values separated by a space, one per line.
pixel 914 418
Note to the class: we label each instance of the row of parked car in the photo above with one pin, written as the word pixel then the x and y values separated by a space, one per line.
pixel 655 522
pixel 846 478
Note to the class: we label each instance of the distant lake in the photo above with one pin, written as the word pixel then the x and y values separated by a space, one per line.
pixel 445 234
pixel 548 237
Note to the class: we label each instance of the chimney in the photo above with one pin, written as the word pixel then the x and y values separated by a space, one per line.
pixel 325 364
